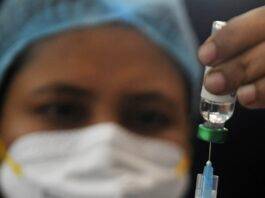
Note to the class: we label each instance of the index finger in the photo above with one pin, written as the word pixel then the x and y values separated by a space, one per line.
pixel 238 35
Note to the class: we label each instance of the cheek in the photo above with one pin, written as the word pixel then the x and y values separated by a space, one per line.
pixel 11 128
pixel 15 122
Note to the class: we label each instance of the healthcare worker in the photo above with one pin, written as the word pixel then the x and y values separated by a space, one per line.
pixel 96 98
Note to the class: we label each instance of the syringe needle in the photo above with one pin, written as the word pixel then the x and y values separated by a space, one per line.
pixel 210 151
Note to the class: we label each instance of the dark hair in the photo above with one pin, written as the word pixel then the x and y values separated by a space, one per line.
pixel 9 75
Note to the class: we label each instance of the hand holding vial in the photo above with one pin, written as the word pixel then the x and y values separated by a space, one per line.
pixel 237 55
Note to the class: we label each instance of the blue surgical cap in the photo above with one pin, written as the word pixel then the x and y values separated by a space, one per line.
pixel 165 22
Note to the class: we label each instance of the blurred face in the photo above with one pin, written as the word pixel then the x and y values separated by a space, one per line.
pixel 105 74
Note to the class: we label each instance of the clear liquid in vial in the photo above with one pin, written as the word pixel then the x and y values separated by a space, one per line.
pixel 215 113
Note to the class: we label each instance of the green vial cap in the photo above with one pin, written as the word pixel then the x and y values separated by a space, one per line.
pixel 208 134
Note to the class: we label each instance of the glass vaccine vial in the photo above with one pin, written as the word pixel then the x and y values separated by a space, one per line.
pixel 215 109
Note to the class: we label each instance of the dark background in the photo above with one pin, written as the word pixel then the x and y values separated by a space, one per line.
pixel 240 162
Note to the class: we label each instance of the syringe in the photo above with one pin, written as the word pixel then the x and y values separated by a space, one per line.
pixel 207 183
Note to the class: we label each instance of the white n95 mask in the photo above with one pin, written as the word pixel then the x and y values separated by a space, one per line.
pixel 101 161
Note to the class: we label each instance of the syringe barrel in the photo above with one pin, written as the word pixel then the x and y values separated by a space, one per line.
pixel 199 187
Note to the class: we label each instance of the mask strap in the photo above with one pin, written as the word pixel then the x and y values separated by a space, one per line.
pixel 11 163
pixel 184 165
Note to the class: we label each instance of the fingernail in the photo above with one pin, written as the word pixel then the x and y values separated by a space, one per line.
pixel 215 82
pixel 247 94
pixel 207 53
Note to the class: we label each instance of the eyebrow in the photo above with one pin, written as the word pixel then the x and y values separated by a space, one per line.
pixel 64 89
pixel 152 97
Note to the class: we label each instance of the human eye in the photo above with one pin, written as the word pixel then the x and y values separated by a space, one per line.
pixel 62 113
pixel 147 118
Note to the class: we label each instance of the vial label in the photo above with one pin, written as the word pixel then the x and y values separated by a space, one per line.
pixel 230 98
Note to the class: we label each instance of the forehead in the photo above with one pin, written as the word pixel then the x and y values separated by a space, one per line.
pixel 114 57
